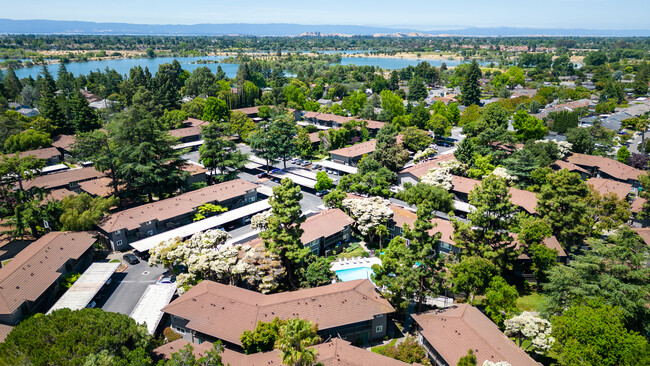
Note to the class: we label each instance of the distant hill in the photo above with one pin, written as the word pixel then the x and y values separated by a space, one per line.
pixel 279 29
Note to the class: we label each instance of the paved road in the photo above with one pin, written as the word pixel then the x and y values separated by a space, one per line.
pixel 127 287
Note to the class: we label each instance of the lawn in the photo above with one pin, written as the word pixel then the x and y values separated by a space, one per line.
pixel 354 250
pixel 532 302
pixel 378 349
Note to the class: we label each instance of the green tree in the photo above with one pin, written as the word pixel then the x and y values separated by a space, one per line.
pixel 241 125
pixel 323 181
pixel 640 84
pixel 27 140
pixel 282 131
pixel 392 106
pixel 528 127
pixel 173 119
pixel 262 338
pixel 581 140
pixel 283 233
pixel 623 154
pixel 334 199
pixel 487 234
pixel 81 117
pixel 99 148
pixel 500 300
pixel 562 202
pixel 472 276
pixel 215 110
pixel 304 143
pixel 262 142
pixel 543 259
pixel 440 125
pixel 417 90
pixel 295 339
pixel 470 88
pixel 69 337
pixel 318 272
pixel 194 108
pixel 185 357
pixel 388 152
pixel 201 82
pixel 414 139
pixel 409 351
pixel 613 272
pixel 12 86
pixel 83 212
pixel 594 334
pixel 220 156
pixel 468 360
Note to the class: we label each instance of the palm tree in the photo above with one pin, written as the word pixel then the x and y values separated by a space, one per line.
pixel 296 336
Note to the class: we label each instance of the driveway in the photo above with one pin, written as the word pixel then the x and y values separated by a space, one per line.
pixel 127 287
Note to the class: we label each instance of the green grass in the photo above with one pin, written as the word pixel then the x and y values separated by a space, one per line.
pixel 113 261
pixel 378 349
pixel 532 302
pixel 354 252
pixel 6 261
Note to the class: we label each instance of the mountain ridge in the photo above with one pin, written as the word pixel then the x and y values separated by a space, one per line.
pixel 43 26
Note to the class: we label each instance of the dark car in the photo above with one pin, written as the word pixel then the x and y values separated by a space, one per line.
pixel 262 175
pixel 142 255
pixel 322 193
pixel 130 258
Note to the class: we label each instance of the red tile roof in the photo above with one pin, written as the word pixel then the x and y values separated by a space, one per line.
pixel 606 186
pixel 32 271
pixel 225 312
pixel 452 331
pixel 606 165
pixel 324 224
pixel 172 207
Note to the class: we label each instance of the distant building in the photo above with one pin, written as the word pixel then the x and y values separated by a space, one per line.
pixel 51 155
pixel 352 154
pixel 602 167
pixel 68 179
pixel 354 311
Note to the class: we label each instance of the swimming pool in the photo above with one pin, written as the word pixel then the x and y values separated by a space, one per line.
pixel 352 274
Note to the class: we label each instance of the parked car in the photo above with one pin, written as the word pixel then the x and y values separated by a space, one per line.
pixel 91 305
pixel 322 193
pixel 275 170
pixel 306 163
pixel 165 280
pixel 262 175
pixel 295 160
pixel 247 220
pixel 142 255
pixel 130 258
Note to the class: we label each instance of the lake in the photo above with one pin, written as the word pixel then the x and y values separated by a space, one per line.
pixel 123 66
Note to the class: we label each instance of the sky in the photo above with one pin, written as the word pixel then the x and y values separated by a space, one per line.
pixel 412 14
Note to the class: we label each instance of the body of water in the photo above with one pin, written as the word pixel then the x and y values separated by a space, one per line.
pixel 122 66
pixel 359 273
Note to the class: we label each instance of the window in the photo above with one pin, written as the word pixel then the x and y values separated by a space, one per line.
pixel 118 243
pixel 117 232
pixel 180 330
pixel 379 329
pixel 148 222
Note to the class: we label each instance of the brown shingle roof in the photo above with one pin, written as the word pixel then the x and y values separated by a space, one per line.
pixel 313 137
pixel 452 331
pixel 193 122
pixel 59 194
pixel 421 169
pixel 335 352
pixel 32 271
pixel 403 216
pixel 637 205
pixel 569 166
pixel 605 186
pixel 45 153
pixel 644 233
pixel 4 331
pixel 324 224
pixel 63 141
pixel 357 149
pixel 524 199
pixel 63 178
pixel 101 187
pixel 225 312
pixel 185 132
pixel 172 207
pixel 606 165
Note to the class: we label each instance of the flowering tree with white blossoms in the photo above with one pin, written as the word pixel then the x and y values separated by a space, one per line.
pixel 564 147
pixel 500 363
pixel 440 177
pixel 206 258
pixel 528 326
pixel 501 172
pixel 260 221
pixel 368 214
pixel 423 155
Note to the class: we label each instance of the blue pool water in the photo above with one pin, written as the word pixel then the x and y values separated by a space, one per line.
pixel 354 273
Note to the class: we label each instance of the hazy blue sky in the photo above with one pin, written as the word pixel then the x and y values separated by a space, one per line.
pixel 418 14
